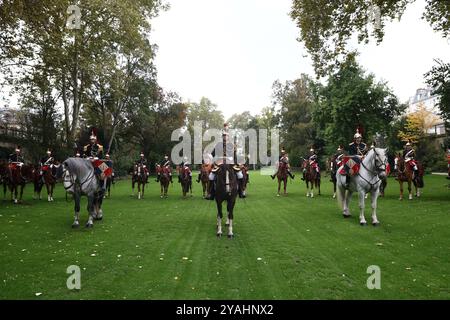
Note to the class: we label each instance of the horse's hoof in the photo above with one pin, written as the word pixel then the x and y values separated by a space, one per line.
pixel 363 224
pixel 376 224
pixel 346 215
pixel 219 235
pixel 98 218
pixel 75 225
pixel 89 225
pixel 230 236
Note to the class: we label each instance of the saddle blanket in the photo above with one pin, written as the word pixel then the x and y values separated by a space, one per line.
pixel 350 166
pixel 103 168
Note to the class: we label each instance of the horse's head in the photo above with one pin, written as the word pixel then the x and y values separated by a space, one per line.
pixel 380 161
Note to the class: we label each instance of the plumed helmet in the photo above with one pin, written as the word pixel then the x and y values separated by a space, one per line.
pixel 357 134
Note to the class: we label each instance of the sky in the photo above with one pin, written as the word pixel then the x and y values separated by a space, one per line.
pixel 232 51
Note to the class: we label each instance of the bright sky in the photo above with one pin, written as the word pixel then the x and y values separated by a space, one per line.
pixel 231 51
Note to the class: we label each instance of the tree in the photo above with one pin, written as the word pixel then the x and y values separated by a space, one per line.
pixel 34 35
pixel 205 111
pixel 242 121
pixel 327 26
pixel 296 102
pixel 352 99
pixel 439 79
pixel 418 124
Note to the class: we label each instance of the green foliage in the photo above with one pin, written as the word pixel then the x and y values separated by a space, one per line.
pixel 296 102
pixel 439 79
pixel 326 26
pixel 352 99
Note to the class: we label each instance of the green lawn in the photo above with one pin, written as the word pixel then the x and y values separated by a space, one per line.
pixel 289 247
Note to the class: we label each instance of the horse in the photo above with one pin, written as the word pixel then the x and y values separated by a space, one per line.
pixel 333 169
pixel 109 181
pixel 244 181
pixel 164 180
pixel 18 176
pixel 141 178
pixel 49 179
pixel 204 174
pixel 4 177
pixel 368 179
pixel 226 190
pixel 38 183
pixel 282 175
pixel 185 180
pixel 312 178
pixel 79 179
pixel 405 174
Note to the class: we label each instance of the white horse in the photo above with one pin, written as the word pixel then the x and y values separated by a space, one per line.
pixel 368 179
pixel 79 179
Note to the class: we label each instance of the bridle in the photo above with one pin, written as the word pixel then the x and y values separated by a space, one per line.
pixel 378 168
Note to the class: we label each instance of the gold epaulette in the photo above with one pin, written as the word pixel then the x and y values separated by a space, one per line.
pixel 85 147
pixel 351 143
pixel 100 147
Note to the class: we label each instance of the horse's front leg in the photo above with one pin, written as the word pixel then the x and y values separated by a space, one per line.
pixel 230 208
pixel 76 222
pixel 91 211
pixel 279 187
pixel 401 189
pixel 219 219
pixel 98 207
pixel 285 185
pixel 347 194
pixel 362 197
pixel 374 197
pixel 410 197
pixel 48 192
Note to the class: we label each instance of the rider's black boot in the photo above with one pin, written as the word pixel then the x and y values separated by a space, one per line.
pixel 157 178
pixel 291 175
pixel 303 177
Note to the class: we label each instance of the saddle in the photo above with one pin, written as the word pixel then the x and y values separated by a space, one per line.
pixel 350 165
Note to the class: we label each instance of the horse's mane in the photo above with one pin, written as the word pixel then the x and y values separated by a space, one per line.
pixel 78 166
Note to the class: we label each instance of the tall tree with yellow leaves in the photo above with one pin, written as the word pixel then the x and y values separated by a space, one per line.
pixel 418 124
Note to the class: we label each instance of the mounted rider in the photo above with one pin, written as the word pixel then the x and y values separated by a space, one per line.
pixel 356 148
pixel 184 165
pixel 224 152
pixel 165 163
pixel 338 157
pixel 283 159
pixel 206 161
pixel 409 155
pixel 46 162
pixel 108 158
pixel 312 159
pixel 16 157
pixel 93 150
pixel 142 161
pixel 15 160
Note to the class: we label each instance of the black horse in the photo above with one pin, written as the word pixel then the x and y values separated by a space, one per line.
pixel 226 190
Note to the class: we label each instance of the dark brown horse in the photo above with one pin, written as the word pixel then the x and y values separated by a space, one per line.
pixel 47 178
pixel 18 176
pixel 164 180
pixel 4 177
pixel 282 176
pixel 226 190
pixel 333 166
pixel 185 180
pixel 312 178
pixel 405 173
pixel 205 170
pixel 139 176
